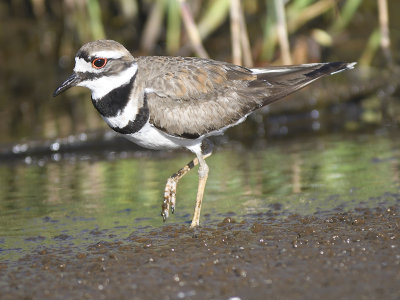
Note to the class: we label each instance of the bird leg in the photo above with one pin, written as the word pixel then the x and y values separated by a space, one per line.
pixel 170 187
pixel 203 175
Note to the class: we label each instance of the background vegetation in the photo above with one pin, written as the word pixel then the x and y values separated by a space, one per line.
pixel 39 39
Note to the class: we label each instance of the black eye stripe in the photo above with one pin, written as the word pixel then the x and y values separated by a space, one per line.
pixel 84 55
pixel 89 76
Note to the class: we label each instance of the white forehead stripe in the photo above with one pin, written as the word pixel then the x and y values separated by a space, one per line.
pixel 108 54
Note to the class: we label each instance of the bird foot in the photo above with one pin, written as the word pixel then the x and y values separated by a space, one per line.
pixel 169 198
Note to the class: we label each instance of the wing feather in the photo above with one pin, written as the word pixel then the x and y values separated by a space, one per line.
pixel 190 97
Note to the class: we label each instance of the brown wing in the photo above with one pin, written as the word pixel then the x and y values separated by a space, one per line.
pixel 189 97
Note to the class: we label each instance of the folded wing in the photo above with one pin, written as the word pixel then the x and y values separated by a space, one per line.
pixel 190 97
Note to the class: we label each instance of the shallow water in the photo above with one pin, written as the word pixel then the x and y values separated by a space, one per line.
pixel 45 203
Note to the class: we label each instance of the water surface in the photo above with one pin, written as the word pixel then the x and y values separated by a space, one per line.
pixel 57 201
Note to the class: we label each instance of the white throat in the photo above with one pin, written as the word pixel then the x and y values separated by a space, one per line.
pixel 101 86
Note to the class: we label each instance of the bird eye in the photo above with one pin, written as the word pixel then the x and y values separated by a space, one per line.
pixel 99 63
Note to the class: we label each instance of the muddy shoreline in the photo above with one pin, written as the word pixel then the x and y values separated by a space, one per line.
pixel 347 255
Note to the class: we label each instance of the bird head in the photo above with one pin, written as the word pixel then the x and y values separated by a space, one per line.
pixel 101 66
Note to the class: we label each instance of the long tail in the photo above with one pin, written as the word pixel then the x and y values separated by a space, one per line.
pixel 282 81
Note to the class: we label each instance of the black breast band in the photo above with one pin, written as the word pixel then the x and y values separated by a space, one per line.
pixel 141 119
pixel 115 101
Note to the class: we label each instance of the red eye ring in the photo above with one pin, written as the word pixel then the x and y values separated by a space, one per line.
pixel 99 63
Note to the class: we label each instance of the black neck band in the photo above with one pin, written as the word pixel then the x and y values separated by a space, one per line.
pixel 115 101
pixel 141 119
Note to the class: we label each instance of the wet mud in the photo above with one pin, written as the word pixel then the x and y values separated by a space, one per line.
pixel 346 255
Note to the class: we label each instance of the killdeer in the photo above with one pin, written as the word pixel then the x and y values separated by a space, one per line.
pixel 164 102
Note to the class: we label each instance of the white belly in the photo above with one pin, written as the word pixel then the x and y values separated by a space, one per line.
pixel 151 138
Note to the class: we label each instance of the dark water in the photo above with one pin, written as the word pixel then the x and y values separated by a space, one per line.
pixel 74 199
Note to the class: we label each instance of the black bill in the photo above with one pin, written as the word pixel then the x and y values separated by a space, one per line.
pixel 71 81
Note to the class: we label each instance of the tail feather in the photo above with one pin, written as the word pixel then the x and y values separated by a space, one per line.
pixel 282 81
pixel 330 69
pixel 296 71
